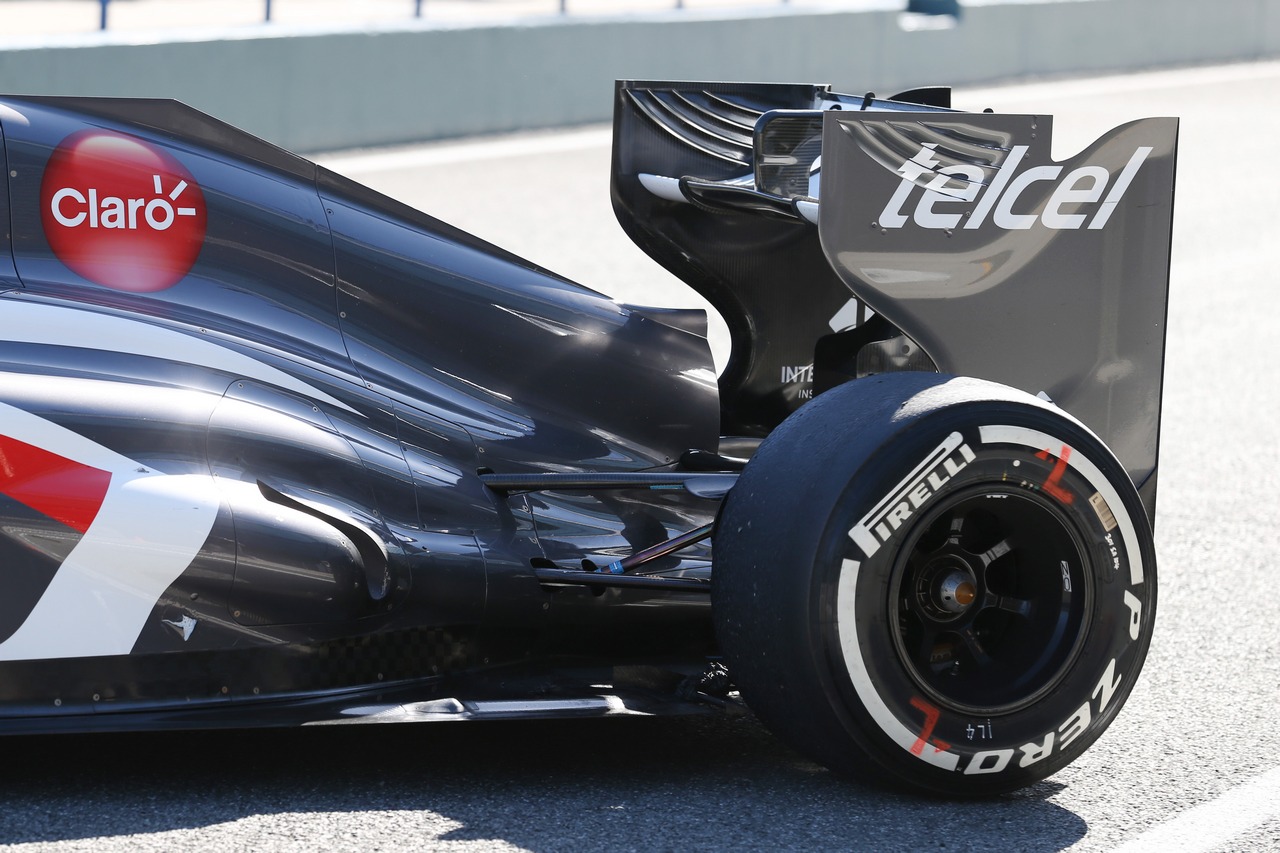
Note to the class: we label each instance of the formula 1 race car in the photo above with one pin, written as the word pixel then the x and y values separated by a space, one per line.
pixel 278 450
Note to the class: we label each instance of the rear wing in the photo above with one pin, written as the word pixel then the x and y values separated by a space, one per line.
pixel 845 235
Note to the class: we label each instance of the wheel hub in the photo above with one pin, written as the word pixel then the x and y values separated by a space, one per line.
pixel 957 592
pixel 991 599
pixel 946 588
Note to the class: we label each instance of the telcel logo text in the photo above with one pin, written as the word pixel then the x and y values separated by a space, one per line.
pixel 939 205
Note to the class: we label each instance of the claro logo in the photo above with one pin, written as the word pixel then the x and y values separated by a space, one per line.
pixel 1084 198
pixel 121 212
pixel 114 212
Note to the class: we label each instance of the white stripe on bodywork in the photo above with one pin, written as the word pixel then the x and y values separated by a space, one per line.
pixel 57 325
pixel 663 187
pixel 148 530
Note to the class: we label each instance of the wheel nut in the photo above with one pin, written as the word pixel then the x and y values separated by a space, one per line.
pixel 956 592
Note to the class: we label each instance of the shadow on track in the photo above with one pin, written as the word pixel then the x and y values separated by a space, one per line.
pixel 543 786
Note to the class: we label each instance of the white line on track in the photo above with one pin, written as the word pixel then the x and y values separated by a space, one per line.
pixel 1213 824
pixel 1145 81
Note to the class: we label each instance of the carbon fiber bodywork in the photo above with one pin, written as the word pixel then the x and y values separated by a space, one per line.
pixel 263 429
pixel 328 379
pixel 934 220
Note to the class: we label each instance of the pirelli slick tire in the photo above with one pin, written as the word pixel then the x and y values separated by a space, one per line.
pixel 937 581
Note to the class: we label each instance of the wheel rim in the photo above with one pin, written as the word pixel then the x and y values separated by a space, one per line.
pixel 990 600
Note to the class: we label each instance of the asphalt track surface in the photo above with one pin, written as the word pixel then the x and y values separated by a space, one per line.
pixel 1191 764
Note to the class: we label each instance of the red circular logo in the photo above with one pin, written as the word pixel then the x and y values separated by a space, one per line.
pixel 121 212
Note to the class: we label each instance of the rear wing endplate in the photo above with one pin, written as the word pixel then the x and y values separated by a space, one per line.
pixel 845 235
pixel 1006 265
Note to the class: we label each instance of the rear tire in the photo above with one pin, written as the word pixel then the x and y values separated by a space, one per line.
pixel 940 582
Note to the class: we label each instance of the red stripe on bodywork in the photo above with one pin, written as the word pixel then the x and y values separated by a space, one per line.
pixel 51 484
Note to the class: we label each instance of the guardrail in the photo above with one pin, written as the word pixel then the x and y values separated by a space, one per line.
pixel 32 20
pixel 415 8
pixel 316 88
